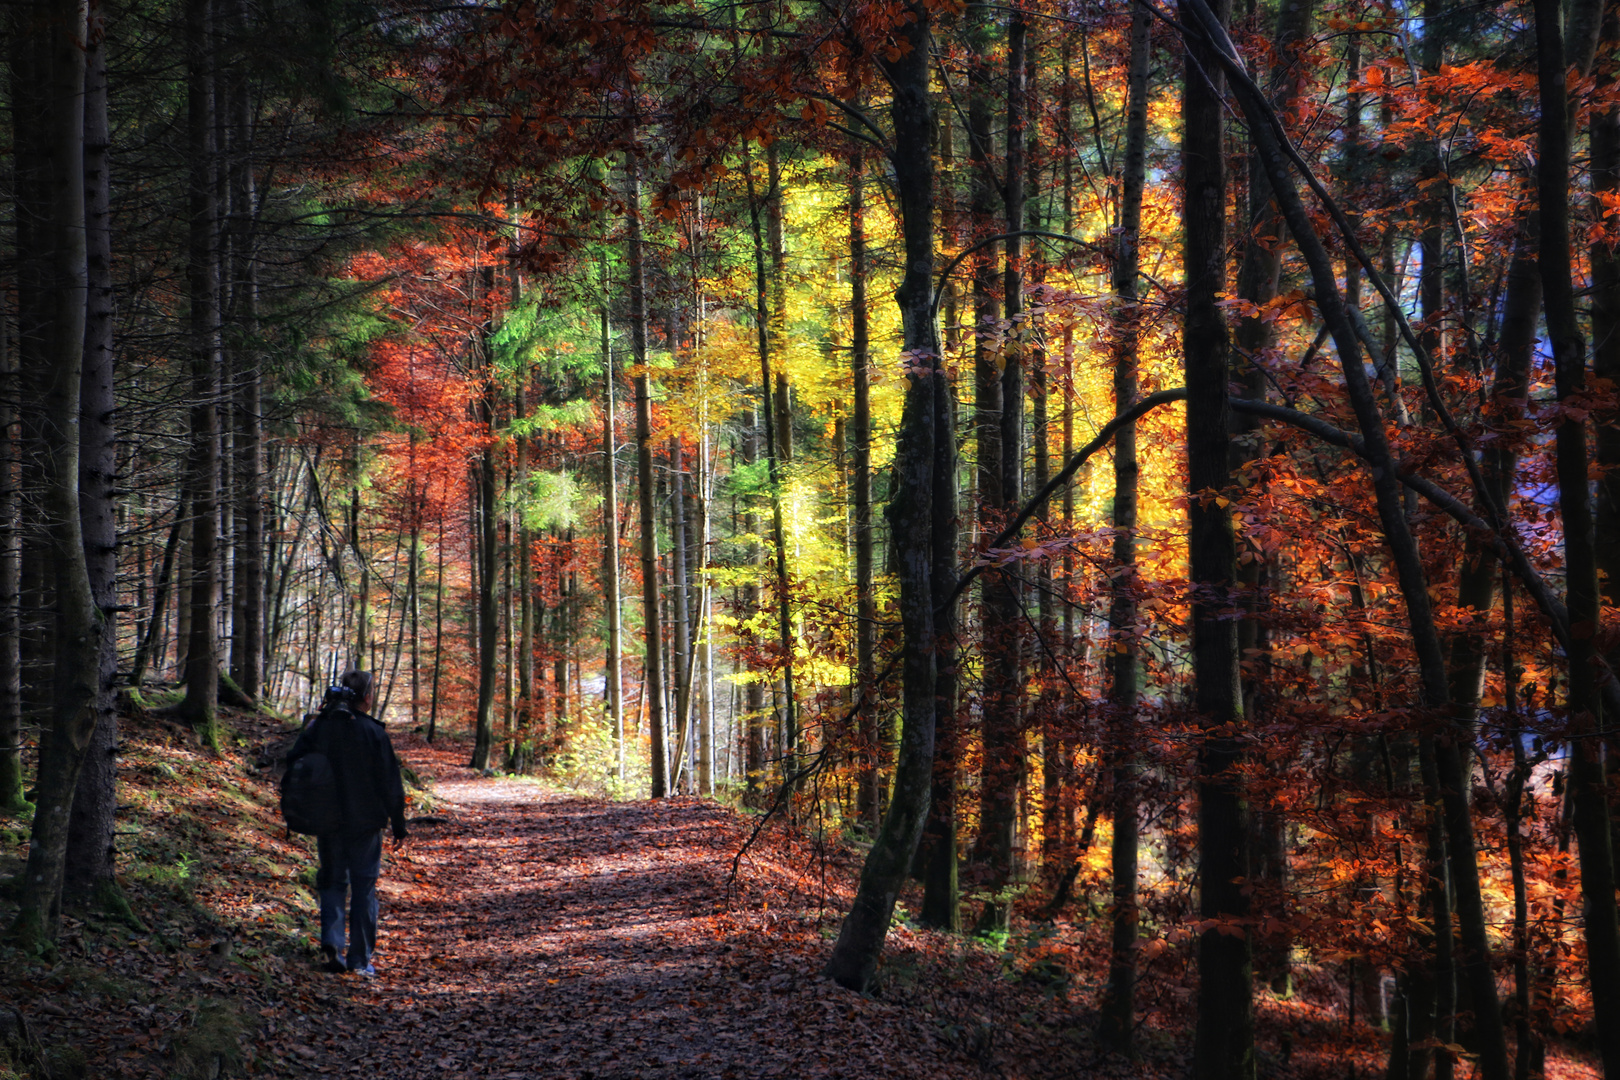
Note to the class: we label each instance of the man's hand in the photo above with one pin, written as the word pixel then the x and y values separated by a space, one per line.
pixel 399 842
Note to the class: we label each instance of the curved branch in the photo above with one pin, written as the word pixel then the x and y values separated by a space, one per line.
pixel 1079 458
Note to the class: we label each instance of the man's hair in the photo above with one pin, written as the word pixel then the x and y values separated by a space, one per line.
pixel 357 681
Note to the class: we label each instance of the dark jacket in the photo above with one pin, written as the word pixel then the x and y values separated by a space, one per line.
pixel 362 756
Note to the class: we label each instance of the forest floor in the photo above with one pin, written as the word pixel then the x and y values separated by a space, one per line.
pixel 528 932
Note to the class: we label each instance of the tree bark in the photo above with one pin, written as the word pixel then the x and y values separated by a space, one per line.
pixel 248 590
pixel 610 543
pixel 1002 738
pixel 487 531
pixel 1405 555
pixel 200 706
pixel 1117 1011
pixel 89 863
pixel 79 620
pixel 11 713
pixel 911 513
pixel 778 449
pixel 1592 822
pixel 1259 278
pixel 1223 1046
pixel 653 692
pixel 868 806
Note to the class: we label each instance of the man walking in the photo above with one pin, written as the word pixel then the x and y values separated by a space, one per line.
pixel 370 795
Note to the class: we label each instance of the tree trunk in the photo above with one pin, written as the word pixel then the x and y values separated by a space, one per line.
pixel 653 692
pixel 1224 1040
pixel 488 528
pixel 11 727
pixel 202 282
pixel 777 449
pixel 1592 823
pixel 79 633
pixel 754 752
pixel 1404 552
pixel 1117 1011
pixel 991 858
pixel 248 590
pixel 89 863
pixel 610 543
pixel 680 648
pixel 1605 263
pixel 868 808
pixel 1258 282
pixel 911 513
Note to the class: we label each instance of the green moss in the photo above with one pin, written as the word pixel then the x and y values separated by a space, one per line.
pixel 211 1043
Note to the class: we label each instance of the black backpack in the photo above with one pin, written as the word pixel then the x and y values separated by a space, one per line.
pixel 310 800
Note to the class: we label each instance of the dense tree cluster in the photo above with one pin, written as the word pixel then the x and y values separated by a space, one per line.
pixel 1162 454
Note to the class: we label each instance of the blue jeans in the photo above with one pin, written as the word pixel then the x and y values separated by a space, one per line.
pixel 349 869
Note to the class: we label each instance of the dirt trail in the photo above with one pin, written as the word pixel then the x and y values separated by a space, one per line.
pixel 534 934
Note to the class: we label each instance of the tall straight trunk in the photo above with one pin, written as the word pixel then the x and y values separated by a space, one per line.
pixel 1259 277
pixel 653 692
pixel 1592 823
pixel 867 801
pixel 1406 558
pixel 89 864
pixel 362 621
pixel 1223 1046
pixel 702 632
pixel 994 375
pixel 438 636
pixel 610 543
pixel 782 401
pixel 911 513
pixel 79 633
pixel 413 601
pixel 248 590
pixel 1605 263
pixel 487 531
pixel 754 752
pixel 11 726
pixel 30 212
pixel 777 451
pixel 508 547
pixel 680 670
pixel 202 284
pixel 1117 1012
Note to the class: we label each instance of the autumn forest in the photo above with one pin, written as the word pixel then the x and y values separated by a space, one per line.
pixel 1151 465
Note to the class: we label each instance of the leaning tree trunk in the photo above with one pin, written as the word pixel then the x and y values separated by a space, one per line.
pixel 1117 1011
pixel 911 513
pixel 79 619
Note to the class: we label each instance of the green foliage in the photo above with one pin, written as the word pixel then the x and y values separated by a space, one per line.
pixel 553 500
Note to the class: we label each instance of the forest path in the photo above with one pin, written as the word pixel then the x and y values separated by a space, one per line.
pixel 536 934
